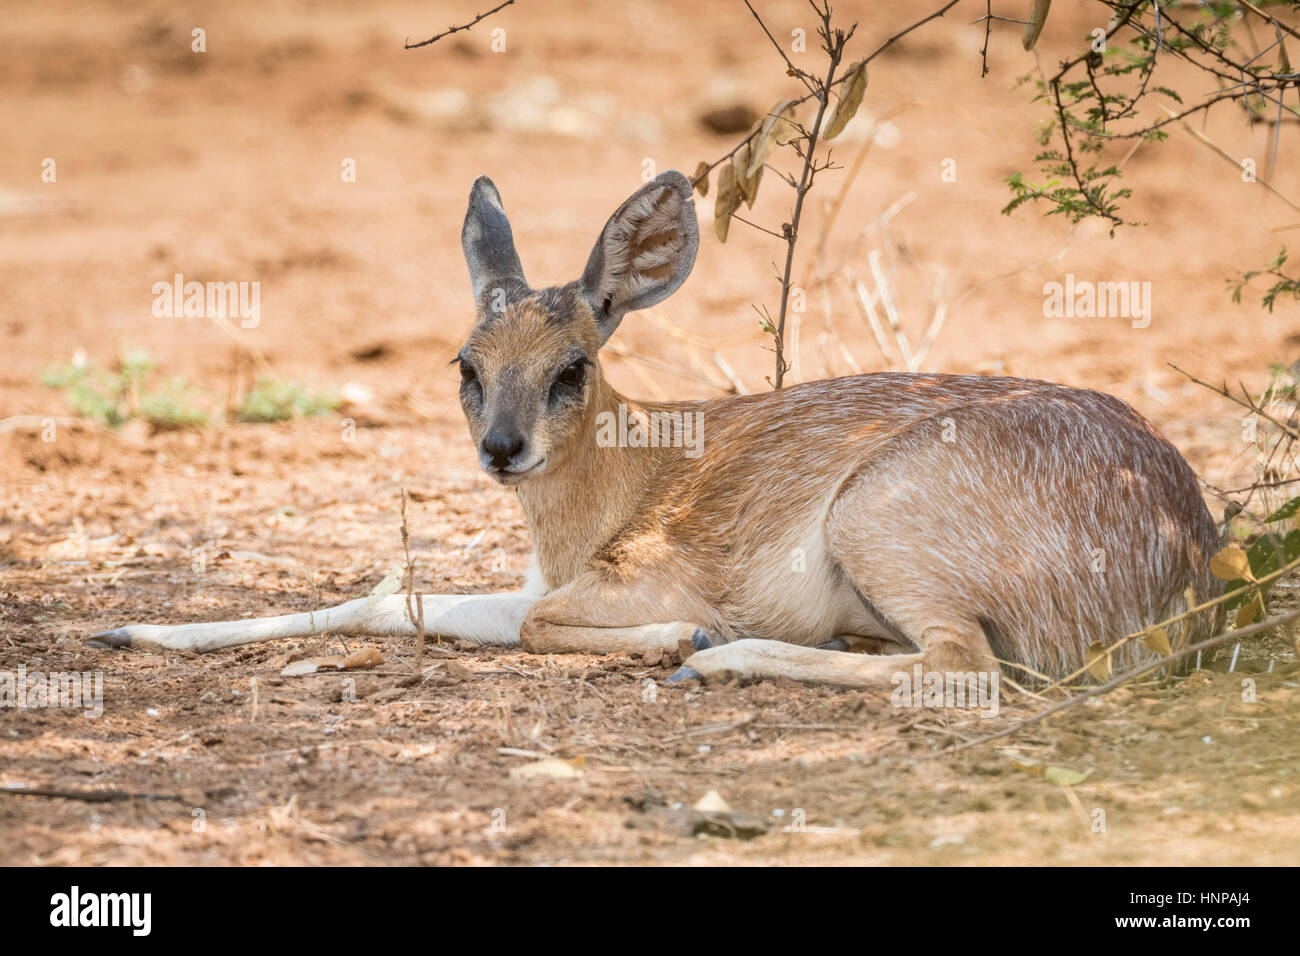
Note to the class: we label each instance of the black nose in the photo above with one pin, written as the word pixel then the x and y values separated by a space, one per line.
pixel 501 445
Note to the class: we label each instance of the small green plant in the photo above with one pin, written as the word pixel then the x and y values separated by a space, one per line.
pixel 278 401
pixel 109 398
pixel 176 406
pixel 114 397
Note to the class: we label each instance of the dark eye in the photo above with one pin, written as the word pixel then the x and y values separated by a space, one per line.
pixel 574 375
pixel 467 373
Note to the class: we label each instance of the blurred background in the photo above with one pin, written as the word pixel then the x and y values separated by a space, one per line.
pixel 233 165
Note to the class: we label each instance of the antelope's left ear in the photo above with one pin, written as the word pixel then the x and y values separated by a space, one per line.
pixel 644 253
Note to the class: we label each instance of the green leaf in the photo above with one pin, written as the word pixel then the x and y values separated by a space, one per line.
pixel 1286 511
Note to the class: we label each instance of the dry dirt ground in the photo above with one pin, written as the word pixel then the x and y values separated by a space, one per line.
pixel 227 165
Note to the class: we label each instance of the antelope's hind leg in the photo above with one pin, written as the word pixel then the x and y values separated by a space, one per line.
pixel 946 650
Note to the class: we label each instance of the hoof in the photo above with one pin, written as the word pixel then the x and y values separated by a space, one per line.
pixel 701 640
pixel 106 640
pixel 684 673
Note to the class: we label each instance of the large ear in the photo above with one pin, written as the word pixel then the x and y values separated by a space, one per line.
pixel 488 243
pixel 644 253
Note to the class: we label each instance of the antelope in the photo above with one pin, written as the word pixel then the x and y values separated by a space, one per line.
pixel 958 522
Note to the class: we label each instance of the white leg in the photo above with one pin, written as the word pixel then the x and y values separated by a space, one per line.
pixel 483 618
pixel 754 659
pixel 945 649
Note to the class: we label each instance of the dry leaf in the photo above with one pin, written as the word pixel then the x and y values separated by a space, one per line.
pixel 726 202
pixel 364 657
pixel 747 186
pixel 311 665
pixel 701 178
pixel 1028 766
pixel 1037 17
pixel 1098 662
pixel 1158 640
pixel 712 802
pixel 552 768
pixel 851 93
pixel 1230 564
pixel 775 129
pixel 1250 612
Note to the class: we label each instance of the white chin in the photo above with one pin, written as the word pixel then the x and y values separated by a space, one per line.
pixel 517 477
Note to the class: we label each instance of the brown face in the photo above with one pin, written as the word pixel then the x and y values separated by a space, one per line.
pixel 529 371
pixel 527 375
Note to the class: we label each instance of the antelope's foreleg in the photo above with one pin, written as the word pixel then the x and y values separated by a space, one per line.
pixel 481 618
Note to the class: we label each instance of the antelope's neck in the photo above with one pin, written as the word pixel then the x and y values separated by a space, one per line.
pixel 586 496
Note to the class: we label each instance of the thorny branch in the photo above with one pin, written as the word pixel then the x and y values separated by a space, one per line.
pixel 1082 110
pixel 709 167
pixel 457 29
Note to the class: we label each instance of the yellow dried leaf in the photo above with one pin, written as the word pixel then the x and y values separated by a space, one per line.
pixel 1158 640
pixel 1250 612
pixel 1037 17
pixel 1029 767
pixel 851 93
pixel 1230 564
pixel 1098 662
pixel 1064 776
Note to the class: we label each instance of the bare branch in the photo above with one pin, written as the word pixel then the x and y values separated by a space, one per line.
pixel 456 29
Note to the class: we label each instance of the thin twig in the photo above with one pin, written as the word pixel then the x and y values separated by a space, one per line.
pixel 834 43
pixel 1288 430
pixel 456 29
pixel 414 602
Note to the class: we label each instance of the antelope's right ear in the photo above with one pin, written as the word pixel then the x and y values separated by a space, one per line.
pixel 487 241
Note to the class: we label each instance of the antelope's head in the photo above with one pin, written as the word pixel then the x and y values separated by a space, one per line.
pixel 529 367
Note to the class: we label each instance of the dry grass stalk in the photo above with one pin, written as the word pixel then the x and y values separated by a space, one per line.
pixel 414 602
